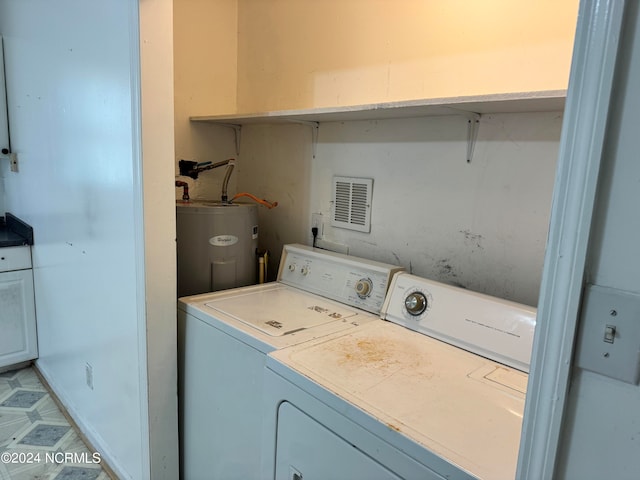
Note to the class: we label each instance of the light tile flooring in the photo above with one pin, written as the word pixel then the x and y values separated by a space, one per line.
pixel 36 440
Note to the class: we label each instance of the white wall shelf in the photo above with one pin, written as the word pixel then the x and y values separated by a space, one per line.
pixel 544 101
pixel 470 106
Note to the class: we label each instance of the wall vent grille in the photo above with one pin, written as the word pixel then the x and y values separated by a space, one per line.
pixel 352 203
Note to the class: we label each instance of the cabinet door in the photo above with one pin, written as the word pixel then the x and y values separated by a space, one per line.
pixel 18 341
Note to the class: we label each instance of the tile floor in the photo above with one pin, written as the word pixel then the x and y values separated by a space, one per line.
pixel 36 440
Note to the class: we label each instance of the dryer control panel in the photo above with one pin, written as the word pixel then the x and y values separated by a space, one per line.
pixel 485 325
pixel 354 281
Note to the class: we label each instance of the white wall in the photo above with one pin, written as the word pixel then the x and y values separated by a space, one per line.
pixel 275 164
pixel 205 55
pixel 74 102
pixel 2 203
pixel 306 53
pixel 491 215
pixel 157 269
pixel 601 437
pixel 482 225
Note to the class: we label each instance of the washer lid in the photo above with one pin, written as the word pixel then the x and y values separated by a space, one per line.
pixel 281 311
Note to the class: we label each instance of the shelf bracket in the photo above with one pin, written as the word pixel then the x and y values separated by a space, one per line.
pixel 473 123
pixel 315 127
pixel 237 130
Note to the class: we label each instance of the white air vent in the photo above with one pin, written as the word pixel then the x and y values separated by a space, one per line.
pixel 352 203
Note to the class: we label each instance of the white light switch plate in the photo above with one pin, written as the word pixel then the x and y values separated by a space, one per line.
pixel 609 314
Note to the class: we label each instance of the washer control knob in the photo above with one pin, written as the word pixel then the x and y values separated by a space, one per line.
pixel 292 267
pixel 363 287
pixel 304 270
pixel 415 303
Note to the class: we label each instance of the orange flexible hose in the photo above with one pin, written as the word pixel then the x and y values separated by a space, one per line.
pixel 253 197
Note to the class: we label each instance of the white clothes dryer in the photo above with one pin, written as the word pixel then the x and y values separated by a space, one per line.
pixel 224 338
pixel 436 391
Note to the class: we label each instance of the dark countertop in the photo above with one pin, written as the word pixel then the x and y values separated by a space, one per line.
pixel 14 232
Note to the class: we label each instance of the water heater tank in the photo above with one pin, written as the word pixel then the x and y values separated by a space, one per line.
pixel 216 246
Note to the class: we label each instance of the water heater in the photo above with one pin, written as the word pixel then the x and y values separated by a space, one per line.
pixel 216 246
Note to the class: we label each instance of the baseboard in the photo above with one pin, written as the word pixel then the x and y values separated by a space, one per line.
pixel 105 463
pixel 15 366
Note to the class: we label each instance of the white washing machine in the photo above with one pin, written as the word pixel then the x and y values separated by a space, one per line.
pixel 224 338
pixel 436 390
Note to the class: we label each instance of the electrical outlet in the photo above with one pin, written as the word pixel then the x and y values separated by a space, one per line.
pixel 317 222
pixel 13 160
pixel 89 375
pixel 12 157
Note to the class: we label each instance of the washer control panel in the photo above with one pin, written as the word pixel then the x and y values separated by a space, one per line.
pixel 489 326
pixel 351 280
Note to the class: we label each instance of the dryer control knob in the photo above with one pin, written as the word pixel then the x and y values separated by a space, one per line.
pixel 415 303
pixel 304 270
pixel 363 287
pixel 292 267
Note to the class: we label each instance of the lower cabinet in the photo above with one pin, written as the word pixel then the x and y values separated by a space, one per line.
pixel 18 339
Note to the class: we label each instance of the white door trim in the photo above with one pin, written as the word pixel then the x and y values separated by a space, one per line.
pixel 581 145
